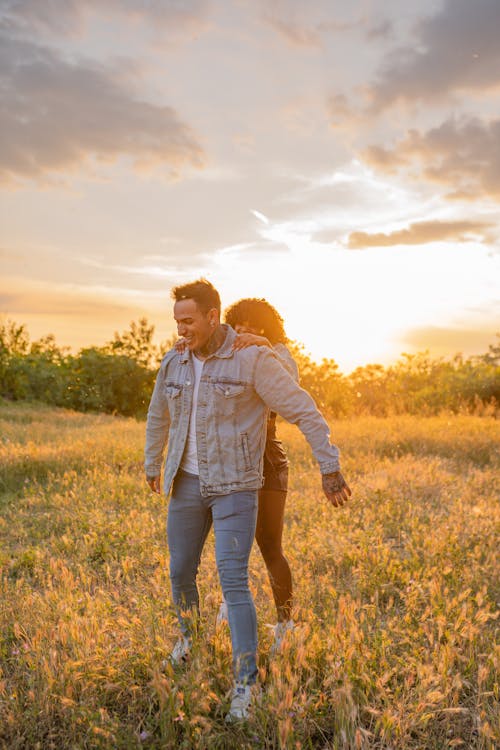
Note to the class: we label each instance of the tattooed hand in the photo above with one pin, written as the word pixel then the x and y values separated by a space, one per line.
pixel 154 483
pixel 336 488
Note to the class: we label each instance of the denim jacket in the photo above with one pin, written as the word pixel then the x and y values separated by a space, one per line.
pixel 286 360
pixel 237 389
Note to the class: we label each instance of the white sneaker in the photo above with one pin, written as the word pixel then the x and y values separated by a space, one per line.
pixel 280 630
pixel 240 703
pixel 179 653
pixel 222 616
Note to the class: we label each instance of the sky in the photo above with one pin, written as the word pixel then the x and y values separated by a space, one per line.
pixel 339 158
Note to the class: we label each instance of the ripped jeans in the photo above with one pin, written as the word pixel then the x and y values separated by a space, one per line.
pixel 190 517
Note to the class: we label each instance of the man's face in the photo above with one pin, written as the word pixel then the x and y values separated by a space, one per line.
pixel 193 325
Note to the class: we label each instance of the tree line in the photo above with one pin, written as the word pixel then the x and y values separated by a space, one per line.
pixel 118 377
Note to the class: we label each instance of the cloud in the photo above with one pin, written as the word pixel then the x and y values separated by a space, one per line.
pixel 292 21
pixel 330 236
pixel 80 316
pixel 380 30
pixel 113 268
pixel 57 113
pixel 421 233
pixel 70 17
pixel 293 33
pixel 442 341
pixel 254 249
pixel 254 252
pixel 455 50
pixel 343 114
pixel 463 155
pixel 20 297
pixel 165 268
pixel 258 215
pixel 7 254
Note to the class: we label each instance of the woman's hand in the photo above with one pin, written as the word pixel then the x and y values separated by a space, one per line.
pixel 244 340
pixel 180 346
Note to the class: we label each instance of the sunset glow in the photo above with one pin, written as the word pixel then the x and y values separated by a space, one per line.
pixel 306 153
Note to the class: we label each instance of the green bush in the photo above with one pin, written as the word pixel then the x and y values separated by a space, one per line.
pixel 110 383
pixel 96 379
pixel 118 378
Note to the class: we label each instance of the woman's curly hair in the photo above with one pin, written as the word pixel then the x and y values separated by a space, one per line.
pixel 258 314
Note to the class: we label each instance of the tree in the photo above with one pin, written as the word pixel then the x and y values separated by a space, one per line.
pixel 14 339
pixel 136 343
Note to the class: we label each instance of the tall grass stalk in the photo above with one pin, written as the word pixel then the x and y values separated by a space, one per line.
pixel 397 595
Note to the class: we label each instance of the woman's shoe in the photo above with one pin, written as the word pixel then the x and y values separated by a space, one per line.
pixel 179 653
pixel 280 631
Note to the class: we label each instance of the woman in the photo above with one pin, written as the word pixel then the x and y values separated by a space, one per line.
pixel 258 323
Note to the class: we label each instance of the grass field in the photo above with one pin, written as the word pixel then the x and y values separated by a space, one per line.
pixel 397 595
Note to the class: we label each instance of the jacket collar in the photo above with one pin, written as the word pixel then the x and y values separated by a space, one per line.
pixel 226 350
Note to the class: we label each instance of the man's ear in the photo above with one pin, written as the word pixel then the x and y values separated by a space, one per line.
pixel 213 317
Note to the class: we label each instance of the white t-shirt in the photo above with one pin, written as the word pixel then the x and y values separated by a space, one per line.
pixel 190 457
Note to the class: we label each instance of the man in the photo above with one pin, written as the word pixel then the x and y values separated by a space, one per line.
pixel 210 403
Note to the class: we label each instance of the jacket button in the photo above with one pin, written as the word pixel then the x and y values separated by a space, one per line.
pixel 188 382
pixel 227 391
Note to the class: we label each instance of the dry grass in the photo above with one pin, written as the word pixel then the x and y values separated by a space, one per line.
pixel 396 595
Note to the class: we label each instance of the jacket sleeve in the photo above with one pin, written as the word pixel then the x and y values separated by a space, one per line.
pixel 158 422
pixel 287 360
pixel 279 391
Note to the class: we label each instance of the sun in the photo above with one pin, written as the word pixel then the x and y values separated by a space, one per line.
pixel 357 306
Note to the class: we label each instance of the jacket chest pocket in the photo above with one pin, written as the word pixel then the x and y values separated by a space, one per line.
pixel 228 396
pixel 173 392
pixel 229 390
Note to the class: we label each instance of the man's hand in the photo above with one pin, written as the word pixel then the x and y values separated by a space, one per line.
pixel 154 484
pixel 336 489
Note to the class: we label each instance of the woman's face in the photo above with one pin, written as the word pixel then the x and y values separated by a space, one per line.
pixel 246 328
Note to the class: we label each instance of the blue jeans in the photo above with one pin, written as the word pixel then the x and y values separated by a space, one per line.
pixel 190 517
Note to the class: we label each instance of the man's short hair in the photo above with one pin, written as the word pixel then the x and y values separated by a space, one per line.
pixel 202 292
